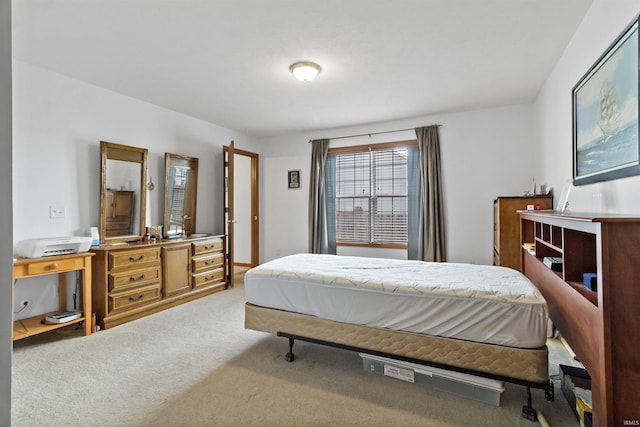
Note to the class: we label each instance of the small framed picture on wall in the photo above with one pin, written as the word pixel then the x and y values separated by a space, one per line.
pixel 294 179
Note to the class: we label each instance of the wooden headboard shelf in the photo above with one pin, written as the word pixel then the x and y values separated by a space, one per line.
pixel 603 326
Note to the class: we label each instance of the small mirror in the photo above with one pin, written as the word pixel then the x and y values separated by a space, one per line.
pixel 180 191
pixel 123 194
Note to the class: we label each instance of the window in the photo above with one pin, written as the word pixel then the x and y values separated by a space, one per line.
pixel 371 194
pixel 178 190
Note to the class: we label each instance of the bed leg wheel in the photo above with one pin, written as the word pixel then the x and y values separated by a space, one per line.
pixel 529 413
pixel 289 357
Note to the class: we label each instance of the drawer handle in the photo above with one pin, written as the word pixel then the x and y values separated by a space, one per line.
pixel 132 298
pixel 140 258
pixel 134 279
pixel 53 266
pixel 208 247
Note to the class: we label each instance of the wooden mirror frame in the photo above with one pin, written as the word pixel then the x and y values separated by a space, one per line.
pixel 173 228
pixel 113 151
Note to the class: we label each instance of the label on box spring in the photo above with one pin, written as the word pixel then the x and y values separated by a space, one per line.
pixel 399 373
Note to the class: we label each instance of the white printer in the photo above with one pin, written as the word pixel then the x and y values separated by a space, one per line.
pixel 49 246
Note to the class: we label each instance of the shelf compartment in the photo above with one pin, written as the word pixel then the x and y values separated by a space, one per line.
pixel 579 254
pixel 556 236
pixel 545 235
pixel 527 231
pixel 30 326
pixel 544 249
pixel 549 234
pixel 590 295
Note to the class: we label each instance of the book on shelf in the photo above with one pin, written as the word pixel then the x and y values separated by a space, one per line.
pixel 530 247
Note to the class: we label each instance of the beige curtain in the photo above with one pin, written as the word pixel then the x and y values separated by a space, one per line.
pixel 321 239
pixel 434 247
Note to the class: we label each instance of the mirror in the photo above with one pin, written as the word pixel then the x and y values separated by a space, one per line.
pixel 123 195
pixel 180 191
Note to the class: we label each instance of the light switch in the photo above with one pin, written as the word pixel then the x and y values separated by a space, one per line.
pixel 57 211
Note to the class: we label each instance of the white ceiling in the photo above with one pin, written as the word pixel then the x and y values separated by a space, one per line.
pixel 227 61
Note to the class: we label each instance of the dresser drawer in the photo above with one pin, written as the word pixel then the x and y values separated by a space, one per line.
pixel 205 263
pixel 121 301
pixel 134 278
pixel 54 266
pixel 207 278
pixel 209 245
pixel 133 258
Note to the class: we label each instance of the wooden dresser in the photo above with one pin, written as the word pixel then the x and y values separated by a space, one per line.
pixel 506 227
pixel 602 326
pixel 133 280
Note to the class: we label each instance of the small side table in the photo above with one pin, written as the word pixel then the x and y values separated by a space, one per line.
pixel 59 264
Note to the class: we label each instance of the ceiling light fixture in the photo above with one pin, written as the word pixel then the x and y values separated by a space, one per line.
pixel 305 71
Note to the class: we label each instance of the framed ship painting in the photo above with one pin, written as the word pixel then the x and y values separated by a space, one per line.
pixel 605 114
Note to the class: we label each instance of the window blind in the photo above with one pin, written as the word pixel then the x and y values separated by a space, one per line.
pixel 371 196
pixel 179 186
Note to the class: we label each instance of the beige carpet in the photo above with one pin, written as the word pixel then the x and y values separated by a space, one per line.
pixel 195 365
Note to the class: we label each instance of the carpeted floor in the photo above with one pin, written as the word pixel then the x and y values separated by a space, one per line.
pixel 195 365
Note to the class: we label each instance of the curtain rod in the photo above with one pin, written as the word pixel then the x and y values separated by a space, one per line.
pixel 369 134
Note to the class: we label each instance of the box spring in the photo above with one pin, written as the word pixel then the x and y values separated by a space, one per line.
pixel 516 365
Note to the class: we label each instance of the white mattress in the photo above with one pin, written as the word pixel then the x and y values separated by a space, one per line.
pixel 478 303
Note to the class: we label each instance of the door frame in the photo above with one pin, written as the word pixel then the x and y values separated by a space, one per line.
pixel 228 155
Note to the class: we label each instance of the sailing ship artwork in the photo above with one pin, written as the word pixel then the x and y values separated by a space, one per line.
pixel 606 140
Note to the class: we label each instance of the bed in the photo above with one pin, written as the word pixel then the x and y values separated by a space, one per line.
pixel 480 320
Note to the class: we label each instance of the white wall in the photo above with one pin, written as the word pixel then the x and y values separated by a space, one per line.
pixel 604 21
pixel 283 225
pixel 6 217
pixel 485 154
pixel 58 125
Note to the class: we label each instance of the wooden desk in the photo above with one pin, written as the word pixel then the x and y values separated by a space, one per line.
pixel 60 264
